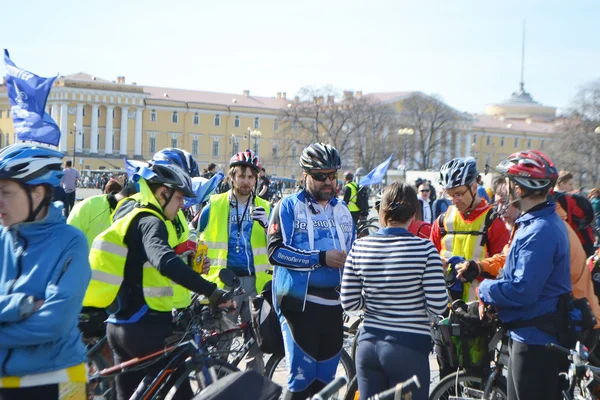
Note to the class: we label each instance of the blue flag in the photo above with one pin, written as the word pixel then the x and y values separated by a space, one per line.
pixel 27 94
pixel 203 189
pixel 376 176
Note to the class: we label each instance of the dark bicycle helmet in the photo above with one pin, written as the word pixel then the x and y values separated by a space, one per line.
pixel 31 165
pixel 180 157
pixel 458 172
pixel 172 176
pixel 320 156
pixel 247 158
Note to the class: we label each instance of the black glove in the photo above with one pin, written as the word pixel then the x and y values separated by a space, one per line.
pixel 472 271
pixel 219 296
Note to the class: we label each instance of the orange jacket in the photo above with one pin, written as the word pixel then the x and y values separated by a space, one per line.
pixel 581 277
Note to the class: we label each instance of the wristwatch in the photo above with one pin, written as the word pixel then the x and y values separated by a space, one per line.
pixel 26 307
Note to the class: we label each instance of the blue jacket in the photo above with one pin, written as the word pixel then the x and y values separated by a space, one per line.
pixel 297 249
pixel 536 273
pixel 47 259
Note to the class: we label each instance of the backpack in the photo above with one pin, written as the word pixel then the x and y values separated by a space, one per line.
pixel 440 206
pixel 362 199
pixel 580 216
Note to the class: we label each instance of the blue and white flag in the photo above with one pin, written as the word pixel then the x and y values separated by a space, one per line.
pixel 27 94
pixel 203 189
pixel 376 176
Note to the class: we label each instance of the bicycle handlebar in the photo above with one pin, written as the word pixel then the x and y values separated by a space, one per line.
pixel 560 349
pixel 331 389
pixel 408 386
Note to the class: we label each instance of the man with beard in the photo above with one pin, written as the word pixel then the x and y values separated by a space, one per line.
pixel 309 236
pixel 233 226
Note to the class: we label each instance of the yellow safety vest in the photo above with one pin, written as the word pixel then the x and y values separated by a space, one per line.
pixel 353 187
pixel 108 256
pixel 463 238
pixel 182 296
pixel 216 237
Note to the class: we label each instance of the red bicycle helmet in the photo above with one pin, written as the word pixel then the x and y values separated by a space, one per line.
pixel 247 158
pixel 531 169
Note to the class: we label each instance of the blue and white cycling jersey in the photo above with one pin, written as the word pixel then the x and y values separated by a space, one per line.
pixel 300 232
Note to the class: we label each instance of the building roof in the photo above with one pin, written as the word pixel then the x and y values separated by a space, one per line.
pixel 513 125
pixel 388 96
pixel 224 99
pixel 82 76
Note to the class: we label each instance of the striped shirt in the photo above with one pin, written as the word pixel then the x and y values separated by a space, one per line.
pixel 397 278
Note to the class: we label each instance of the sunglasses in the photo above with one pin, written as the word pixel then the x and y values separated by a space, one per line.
pixel 424 190
pixel 323 177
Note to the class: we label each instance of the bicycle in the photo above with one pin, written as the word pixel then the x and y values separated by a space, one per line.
pixel 580 374
pixel 400 391
pixel 366 226
pixel 190 353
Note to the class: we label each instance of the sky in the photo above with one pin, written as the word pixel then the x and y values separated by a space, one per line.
pixel 468 52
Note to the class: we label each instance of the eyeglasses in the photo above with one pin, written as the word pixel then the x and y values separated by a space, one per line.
pixel 323 177
pixel 424 190
pixel 458 195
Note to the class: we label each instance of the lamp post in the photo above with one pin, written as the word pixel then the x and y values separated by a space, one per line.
pixel 74 132
pixel 255 134
pixel 406 132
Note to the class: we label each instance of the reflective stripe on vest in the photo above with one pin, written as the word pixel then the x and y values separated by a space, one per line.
pixel 108 258
pixel 216 237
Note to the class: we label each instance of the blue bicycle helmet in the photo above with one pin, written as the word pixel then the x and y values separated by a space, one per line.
pixel 31 165
pixel 180 157
pixel 458 172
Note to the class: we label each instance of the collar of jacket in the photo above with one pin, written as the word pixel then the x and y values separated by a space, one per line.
pixel 541 210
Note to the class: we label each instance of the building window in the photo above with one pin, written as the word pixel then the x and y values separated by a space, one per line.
pixel 502 141
pixel 99 113
pixel 114 113
pixel 275 125
pixel 294 150
pixel 516 142
pixel 256 123
pixel 215 146
pixel 274 152
pixel 8 114
pixel 152 144
pixel 196 120
pixel 83 111
pixel 0 113
pixel 195 145
pixel 474 139
pixel 174 141
pixel 487 141
pixel 236 122
pixel 153 116
pixel 217 120
pixel 175 118
pixel 528 143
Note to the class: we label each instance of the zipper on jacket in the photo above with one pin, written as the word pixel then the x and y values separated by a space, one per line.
pixel 64 269
pixel 10 289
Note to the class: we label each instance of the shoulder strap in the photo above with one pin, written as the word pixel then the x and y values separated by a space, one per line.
pixel 441 224
pixel 492 214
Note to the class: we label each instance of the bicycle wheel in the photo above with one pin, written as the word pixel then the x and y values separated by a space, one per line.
pixel 352 393
pixel 104 387
pixel 197 377
pixel 367 230
pixel 465 385
pixel 276 370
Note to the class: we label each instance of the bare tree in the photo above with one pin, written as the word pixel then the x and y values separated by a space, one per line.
pixel 577 144
pixel 355 125
pixel 427 116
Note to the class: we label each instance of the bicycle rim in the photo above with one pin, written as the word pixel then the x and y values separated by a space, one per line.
pixel 465 386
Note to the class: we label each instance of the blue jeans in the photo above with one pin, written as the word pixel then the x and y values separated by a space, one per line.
pixel 382 364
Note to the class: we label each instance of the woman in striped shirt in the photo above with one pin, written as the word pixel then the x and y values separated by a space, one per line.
pixel 397 279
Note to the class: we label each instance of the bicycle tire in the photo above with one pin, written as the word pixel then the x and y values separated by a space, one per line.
pixel 223 368
pixel 367 230
pixel 345 361
pixel 351 393
pixel 469 384
pixel 106 386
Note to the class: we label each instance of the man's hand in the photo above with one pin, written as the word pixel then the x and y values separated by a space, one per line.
pixel 206 265
pixel 466 271
pixel 335 258
pixel 260 215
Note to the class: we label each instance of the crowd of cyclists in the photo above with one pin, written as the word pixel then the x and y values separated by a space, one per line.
pixel 128 257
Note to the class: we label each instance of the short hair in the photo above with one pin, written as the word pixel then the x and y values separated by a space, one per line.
pixel 113 186
pixel 398 203
pixel 263 170
pixel 69 163
pixel 497 182
pixel 212 166
pixel 234 170
pixel 564 177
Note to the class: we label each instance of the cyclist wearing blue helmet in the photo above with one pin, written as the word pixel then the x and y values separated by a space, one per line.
pixel 179 157
pixel 44 275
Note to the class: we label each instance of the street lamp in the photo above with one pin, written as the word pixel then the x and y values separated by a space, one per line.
pixel 76 132
pixel 255 134
pixel 406 132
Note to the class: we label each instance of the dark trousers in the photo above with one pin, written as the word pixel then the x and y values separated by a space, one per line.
pixel 138 340
pixel 355 215
pixel 381 365
pixel 533 372
pixel 69 203
pixel 46 392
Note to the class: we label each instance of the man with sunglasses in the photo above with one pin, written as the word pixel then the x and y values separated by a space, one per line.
pixel 423 195
pixel 309 236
